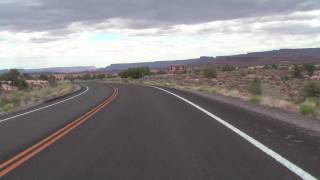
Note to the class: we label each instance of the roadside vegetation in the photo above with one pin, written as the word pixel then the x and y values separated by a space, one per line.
pixel 292 87
pixel 135 73
pixel 17 79
pixel 210 73
pixel 86 77
pixel 26 94
pixel 255 90
pixel 19 99
pixel 310 98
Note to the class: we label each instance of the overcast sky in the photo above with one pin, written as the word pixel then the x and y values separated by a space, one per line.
pixel 48 33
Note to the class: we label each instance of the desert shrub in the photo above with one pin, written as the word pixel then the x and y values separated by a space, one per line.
pixel 214 91
pixel 310 68
pixel 243 72
pixel 44 77
pixel 314 100
pixel 274 66
pixel 254 87
pixel 100 76
pixel 52 82
pixel 255 98
pixel 125 80
pixel 36 96
pixel 27 99
pixel 210 73
pixel 86 77
pixel 21 84
pixel 296 72
pixel 266 67
pixel 70 78
pixel 16 98
pixel 285 78
pixel 228 67
pixel 7 107
pixel 161 72
pixel 202 89
pixel 309 90
pixel 16 78
pixel 135 73
pixel 307 109
pixel 4 100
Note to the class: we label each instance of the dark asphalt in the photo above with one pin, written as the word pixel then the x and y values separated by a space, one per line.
pixel 19 133
pixel 148 134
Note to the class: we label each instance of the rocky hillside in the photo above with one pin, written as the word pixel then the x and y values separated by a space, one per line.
pixel 282 56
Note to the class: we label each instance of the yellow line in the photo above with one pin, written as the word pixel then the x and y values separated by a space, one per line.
pixel 27 154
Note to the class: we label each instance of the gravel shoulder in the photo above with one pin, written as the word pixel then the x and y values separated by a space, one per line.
pixel 308 125
pixel 303 123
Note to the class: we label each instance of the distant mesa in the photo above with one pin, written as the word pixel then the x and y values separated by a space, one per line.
pixel 58 70
pixel 158 64
pixel 282 56
pixel 74 69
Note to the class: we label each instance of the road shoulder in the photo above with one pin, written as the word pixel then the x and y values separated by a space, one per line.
pixel 77 89
pixel 303 123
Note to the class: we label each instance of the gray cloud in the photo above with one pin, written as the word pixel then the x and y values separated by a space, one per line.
pixel 54 15
pixel 292 29
pixel 46 39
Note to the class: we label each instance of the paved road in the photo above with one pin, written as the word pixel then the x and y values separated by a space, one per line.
pixel 146 133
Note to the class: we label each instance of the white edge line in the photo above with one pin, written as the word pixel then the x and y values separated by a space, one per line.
pixel 283 161
pixel 44 107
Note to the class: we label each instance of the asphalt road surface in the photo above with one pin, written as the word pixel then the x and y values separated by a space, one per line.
pixel 137 132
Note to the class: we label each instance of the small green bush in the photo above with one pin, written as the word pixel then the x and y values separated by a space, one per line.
pixel 296 72
pixel 7 107
pixel 125 80
pixel 255 99
pixel 161 72
pixel 26 99
pixel 307 109
pixel 4 101
pixel 285 78
pixel 214 91
pixel 53 82
pixel 255 87
pixel 135 73
pixel 228 67
pixel 313 100
pixel 16 78
pixel 266 67
pixel 243 72
pixel 16 98
pixel 202 89
pixel 210 73
pixel 310 90
pixel 310 68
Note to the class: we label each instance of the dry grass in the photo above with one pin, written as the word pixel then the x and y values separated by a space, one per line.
pixel 232 93
pixel 270 93
pixel 279 103
pixel 24 98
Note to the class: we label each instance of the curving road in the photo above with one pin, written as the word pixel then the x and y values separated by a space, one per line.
pixel 148 133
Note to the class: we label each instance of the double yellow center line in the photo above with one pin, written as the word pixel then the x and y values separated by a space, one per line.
pixel 27 154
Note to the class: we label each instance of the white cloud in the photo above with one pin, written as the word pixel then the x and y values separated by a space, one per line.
pixel 121 44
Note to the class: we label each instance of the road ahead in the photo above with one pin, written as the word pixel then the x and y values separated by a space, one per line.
pixel 146 133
